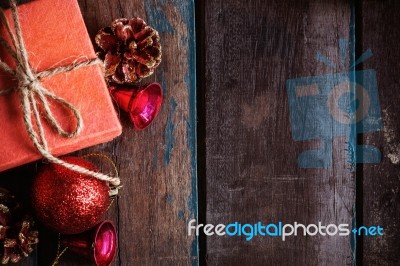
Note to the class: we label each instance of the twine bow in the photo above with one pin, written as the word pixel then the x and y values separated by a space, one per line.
pixel 32 93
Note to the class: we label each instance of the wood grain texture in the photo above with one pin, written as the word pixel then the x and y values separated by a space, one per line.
pixel 158 165
pixel 249 160
pixel 250 49
pixel 381 183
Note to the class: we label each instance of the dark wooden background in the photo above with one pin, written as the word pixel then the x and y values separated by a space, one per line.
pixel 244 161
pixel 248 51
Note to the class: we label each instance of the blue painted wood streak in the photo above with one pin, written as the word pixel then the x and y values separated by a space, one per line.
pixel 170 199
pixel 186 9
pixel 181 214
pixel 157 18
pixel 169 133
pixel 163 84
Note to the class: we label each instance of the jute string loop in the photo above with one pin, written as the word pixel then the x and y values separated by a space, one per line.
pixel 33 94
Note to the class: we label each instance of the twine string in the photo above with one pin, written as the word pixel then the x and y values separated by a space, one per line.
pixel 34 95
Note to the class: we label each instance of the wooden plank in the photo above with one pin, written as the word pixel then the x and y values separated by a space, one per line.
pixel 251 48
pixel 381 183
pixel 157 165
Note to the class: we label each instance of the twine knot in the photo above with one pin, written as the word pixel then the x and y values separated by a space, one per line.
pixel 27 82
pixel 32 94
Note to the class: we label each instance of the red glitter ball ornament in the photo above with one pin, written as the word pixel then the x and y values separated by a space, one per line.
pixel 69 202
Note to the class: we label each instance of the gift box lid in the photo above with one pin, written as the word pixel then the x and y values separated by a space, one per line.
pixel 57 37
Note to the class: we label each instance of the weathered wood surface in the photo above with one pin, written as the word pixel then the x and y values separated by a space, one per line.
pixel 381 183
pixel 251 48
pixel 157 165
pixel 248 169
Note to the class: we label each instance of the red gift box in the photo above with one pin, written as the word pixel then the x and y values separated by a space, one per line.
pixel 55 35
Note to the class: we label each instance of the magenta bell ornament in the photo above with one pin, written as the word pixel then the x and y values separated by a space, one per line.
pixel 98 244
pixel 142 104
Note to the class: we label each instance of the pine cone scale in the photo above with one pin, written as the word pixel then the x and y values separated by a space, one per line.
pixel 111 64
pixel 123 32
pixel 16 230
pixel 145 43
pixel 106 42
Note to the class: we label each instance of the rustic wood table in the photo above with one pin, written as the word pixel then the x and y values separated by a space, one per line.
pixel 221 149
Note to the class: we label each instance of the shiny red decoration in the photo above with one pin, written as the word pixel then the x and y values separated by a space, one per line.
pixel 142 103
pixel 98 244
pixel 69 202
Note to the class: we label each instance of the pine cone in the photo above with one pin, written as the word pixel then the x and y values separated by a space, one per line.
pixel 130 49
pixel 16 230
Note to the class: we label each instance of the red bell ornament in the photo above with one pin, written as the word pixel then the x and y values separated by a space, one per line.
pixel 142 104
pixel 98 244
